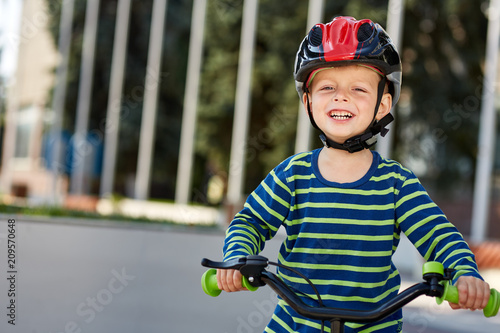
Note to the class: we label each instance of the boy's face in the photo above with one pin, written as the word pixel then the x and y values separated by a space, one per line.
pixel 343 100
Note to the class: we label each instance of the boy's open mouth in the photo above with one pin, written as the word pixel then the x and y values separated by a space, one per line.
pixel 341 115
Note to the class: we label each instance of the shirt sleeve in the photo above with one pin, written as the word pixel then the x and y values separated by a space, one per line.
pixel 429 230
pixel 263 213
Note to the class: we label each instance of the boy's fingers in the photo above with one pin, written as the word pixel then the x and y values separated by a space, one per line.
pixel 481 292
pixel 222 280
pixel 237 280
pixel 219 279
pixel 473 293
pixel 486 295
pixel 466 296
pixel 229 280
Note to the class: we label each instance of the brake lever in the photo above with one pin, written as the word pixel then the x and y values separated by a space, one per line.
pixel 236 263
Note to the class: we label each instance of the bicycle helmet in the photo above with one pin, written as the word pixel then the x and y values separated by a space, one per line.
pixel 347 41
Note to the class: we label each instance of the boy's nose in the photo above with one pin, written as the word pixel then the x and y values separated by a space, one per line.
pixel 340 96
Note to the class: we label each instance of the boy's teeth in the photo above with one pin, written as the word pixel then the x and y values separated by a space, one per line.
pixel 340 115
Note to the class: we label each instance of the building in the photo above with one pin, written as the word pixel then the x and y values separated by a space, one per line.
pixel 23 173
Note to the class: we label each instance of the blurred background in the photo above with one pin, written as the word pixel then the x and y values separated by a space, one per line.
pixel 174 111
pixel 107 99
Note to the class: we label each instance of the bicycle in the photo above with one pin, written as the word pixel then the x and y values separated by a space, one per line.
pixel 437 283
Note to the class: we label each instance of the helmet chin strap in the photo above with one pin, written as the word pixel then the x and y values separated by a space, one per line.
pixel 364 140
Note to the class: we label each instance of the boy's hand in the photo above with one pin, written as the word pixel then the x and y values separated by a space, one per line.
pixel 473 293
pixel 229 280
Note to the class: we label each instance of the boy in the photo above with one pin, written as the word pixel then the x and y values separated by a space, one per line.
pixel 343 206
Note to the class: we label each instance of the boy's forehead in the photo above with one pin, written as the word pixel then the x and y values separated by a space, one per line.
pixel 365 72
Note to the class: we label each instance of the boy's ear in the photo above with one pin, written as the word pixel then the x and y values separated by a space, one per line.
pixel 304 100
pixel 385 106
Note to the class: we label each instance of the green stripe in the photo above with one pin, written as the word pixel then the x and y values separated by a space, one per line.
pixel 386 176
pixel 283 305
pixel 392 163
pixel 307 250
pixel 344 191
pixel 250 247
pixel 380 326
pixel 300 177
pixel 337 205
pixel 359 298
pixel 296 160
pixel 351 268
pixel 414 210
pixel 256 213
pixel 409 197
pixel 389 163
pixel 370 238
pixel 268 209
pixel 436 239
pixel 343 283
pixel 355 298
pixel 274 196
pixel 411 181
pixel 280 321
pixel 328 220
pixel 421 223
pixel 457 252
pixel 446 247
pixel 246 230
pixel 279 182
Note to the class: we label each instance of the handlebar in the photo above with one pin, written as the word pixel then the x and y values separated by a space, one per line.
pixel 436 284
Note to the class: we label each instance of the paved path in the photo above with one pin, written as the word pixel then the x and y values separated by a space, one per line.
pixel 87 278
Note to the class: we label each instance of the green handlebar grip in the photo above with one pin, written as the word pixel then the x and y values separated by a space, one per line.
pixel 451 294
pixel 209 283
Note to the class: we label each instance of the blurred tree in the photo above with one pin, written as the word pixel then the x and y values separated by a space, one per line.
pixel 443 51
pixel 172 78
pixel 274 101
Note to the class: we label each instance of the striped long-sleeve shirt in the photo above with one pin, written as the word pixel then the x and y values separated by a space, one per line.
pixel 343 236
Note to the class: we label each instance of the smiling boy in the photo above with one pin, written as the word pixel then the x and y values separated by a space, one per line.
pixel 343 206
pixel 342 100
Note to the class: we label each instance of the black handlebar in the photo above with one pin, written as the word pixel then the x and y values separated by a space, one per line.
pixel 253 268
pixel 343 315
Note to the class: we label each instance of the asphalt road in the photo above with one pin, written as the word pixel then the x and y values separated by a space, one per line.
pixel 72 277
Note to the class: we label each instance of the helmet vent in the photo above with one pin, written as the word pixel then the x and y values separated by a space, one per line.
pixel 392 57
pixel 316 36
pixel 365 31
